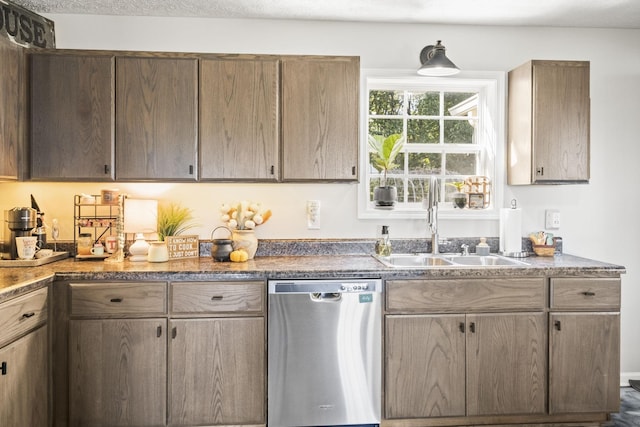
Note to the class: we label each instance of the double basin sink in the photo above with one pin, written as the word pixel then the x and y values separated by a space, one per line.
pixel 442 260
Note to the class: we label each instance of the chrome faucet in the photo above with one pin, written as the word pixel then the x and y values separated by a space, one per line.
pixel 464 249
pixel 432 213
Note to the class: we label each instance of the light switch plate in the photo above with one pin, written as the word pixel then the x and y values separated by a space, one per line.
pixel 313 214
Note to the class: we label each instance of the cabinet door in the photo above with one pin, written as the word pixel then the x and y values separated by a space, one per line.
pixel 584 362
pixel 561 108
pixel 117 372
pixel 156 121
pixel 11 70
pixel 24 389
pixel 72 132
pixel 506 364
pixel 239 120
pixel 320 118
pixel 217 372
pixel 424 366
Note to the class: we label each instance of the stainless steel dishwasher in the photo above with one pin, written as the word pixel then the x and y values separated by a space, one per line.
pixel 324 364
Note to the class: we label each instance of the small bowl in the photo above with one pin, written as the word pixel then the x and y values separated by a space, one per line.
pixel 43 253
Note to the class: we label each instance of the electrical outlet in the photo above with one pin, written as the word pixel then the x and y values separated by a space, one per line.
pixel 552 219
pixel 313 214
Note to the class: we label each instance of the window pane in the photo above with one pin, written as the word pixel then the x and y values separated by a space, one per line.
pixel 461 104
pixel 423 131
pixel 458 132
pixel 417 190
pixel 425 163
pixel 461 163
pixel 424 104
pixel 385 127
pixel 385 102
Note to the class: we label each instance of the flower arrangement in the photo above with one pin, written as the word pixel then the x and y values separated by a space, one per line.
pixel 173 219
pixel 244 215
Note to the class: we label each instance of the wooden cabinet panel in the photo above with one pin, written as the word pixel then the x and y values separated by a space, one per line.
pixel 117 372
pixel 578 293
pixel 22 314
pixel 217 297
pixel 584 371
pixel 506 364
pixel 424 366
pixel 320 101
pixel 11 108
pixel 239 133
pixel 461 295
pixel 156 118
pixel 217 372
pixel 104 299
pixel 549 123
pixel 24 384
pixel 72 111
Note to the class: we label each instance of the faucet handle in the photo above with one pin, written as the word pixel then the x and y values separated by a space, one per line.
pixel 465 249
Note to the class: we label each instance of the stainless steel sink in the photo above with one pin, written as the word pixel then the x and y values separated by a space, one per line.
pixel 413 260
pixel 429 260
pixel 487 260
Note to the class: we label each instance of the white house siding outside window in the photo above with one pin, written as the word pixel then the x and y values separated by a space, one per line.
pixel 453 127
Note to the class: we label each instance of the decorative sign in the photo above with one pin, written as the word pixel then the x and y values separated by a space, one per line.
pixel 183 246
pixel 26 28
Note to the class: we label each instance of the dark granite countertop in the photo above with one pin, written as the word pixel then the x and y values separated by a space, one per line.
pixel 19 280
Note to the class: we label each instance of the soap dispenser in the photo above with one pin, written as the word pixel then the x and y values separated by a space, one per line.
pixel 383 244
pixel 482 248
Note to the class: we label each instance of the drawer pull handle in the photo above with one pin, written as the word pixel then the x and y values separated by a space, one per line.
pixel 3 368
pixel 461 327
pixel 159 331
pixel 589 294
pixel 217 298
pixel 28 315
pixel 174 332
pixel 116 299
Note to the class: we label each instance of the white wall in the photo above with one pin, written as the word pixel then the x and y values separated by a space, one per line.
pixel 598 220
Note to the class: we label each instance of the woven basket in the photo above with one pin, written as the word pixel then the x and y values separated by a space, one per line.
pixel 544 250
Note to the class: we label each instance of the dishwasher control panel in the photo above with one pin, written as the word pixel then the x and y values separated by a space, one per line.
pixel 310 286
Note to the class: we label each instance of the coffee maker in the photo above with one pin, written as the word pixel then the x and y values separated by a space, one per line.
pixel 19 222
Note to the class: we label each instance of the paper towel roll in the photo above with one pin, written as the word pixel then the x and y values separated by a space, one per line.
pixel 510 230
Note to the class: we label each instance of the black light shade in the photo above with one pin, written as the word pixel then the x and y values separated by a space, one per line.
pixel 435 62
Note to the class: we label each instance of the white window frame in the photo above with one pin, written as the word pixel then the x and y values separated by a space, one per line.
pixel 491 126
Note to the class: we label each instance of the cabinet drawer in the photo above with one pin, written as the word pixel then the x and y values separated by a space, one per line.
pixel 577 293
pixel 218 297
pixel 22 314
pixel 414 296
pixel 90 299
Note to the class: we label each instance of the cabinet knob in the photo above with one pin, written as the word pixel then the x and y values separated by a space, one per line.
pixel 106 169
pixel 353 170
pixel 159 331
pixel 461 327
pixel 3 368
pixel 540 171
pixel 273 170
pixel 472 327
pixel 558 325
pixel 190 169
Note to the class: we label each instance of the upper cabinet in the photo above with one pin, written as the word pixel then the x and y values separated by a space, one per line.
pixel 145 116
pixel 156 118
pixel 320 118
pixel 239 119
pixel 11 108
pixel 72 103
pixel 549 123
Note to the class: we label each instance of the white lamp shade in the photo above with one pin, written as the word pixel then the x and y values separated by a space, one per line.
pixel 140 215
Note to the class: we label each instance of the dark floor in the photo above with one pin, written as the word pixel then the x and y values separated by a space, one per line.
pixel 629 415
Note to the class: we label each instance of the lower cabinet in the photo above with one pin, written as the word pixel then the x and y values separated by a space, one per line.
pixel 117 372
pixel 464 365
pixel 145 354
pixel 24 355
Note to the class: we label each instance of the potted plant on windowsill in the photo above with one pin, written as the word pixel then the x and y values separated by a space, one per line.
pixel 385 151
pixel 459 197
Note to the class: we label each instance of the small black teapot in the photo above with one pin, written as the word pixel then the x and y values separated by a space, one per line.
pixel 221 248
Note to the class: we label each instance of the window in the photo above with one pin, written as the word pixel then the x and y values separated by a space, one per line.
pixel 453 129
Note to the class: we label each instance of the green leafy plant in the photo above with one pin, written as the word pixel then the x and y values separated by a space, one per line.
pixel 459 185
pixel 173 220
pixel 385 151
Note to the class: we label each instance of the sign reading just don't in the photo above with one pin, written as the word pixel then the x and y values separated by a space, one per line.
pixel 183 246
pixel 26 28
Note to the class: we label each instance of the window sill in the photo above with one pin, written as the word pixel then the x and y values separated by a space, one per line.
pixel 445 211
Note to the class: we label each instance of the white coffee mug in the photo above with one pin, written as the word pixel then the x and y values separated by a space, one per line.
pixel 97 249
pixel 111 244
pixel 26 246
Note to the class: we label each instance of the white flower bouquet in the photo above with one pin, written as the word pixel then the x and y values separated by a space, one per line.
pixel 244 215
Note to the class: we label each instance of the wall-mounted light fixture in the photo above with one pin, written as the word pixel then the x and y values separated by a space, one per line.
pixel 435 63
